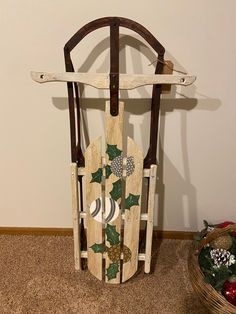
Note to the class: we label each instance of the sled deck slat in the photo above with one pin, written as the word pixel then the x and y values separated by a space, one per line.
pixel 93 162
pixel 132 207
pixel 113 183
pixel 149 231
pixel 76 215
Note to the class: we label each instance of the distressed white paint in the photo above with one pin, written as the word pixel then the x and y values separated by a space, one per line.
pixel 76 215
pixel 102 80
pixel 150 220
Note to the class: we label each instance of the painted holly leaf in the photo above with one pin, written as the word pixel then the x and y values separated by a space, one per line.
pixel 113 237
pixel 108 171
pixel 112 151
pixel 97 176
pixel 98 248
pixel 112 271
pixel 131 200
pixel 116 190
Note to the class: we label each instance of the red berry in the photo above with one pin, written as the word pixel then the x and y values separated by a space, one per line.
pixel 229 291
pixel 225 224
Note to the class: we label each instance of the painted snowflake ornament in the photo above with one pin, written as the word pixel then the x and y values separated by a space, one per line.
pixel 117 166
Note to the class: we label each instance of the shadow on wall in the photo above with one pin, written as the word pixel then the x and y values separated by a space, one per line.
pixel 183 192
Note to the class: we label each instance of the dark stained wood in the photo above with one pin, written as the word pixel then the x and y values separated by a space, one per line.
pixel 108 21
pixel 114 67
pixel 114 23
pixel 155 109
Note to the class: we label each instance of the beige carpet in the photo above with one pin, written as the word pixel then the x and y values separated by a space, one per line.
pixel 37 276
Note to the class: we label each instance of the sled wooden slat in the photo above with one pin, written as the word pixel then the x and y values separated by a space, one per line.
pixel 93 162
pixel 114 136
pixel 76 215
pixel 102 80
pixel 151 203
pixel 132 208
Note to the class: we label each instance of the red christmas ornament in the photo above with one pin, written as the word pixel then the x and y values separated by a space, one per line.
pixel 226 224
pixel 229 290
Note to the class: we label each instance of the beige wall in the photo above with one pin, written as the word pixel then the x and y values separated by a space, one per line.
pixel 198 150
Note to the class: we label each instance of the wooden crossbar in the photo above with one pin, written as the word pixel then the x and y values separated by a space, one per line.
pixel 143 216
pixel 141 256
pixel 81 172
pixel 102 80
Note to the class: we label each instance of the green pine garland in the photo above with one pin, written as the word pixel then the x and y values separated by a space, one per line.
pixel 216 276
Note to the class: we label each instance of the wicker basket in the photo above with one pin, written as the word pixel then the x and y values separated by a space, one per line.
pixel 213 301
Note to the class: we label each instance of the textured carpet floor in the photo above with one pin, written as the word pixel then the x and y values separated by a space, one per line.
pixel 37 276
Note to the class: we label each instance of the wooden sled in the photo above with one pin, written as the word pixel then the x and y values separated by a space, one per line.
pixel 113 179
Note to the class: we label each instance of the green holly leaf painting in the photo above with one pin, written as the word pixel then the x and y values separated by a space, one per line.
pixel 112 271
pixel 97 176
pixel 113 152
pixel 113 237
pixel 131 200
pixel 108 171
pixel 98 248
pixel 116 190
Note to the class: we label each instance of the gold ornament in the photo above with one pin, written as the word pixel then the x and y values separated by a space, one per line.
pixel 114 253
pixel 222 242
pixel 127 254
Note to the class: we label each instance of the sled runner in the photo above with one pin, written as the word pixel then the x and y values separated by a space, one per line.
pixel 111 214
